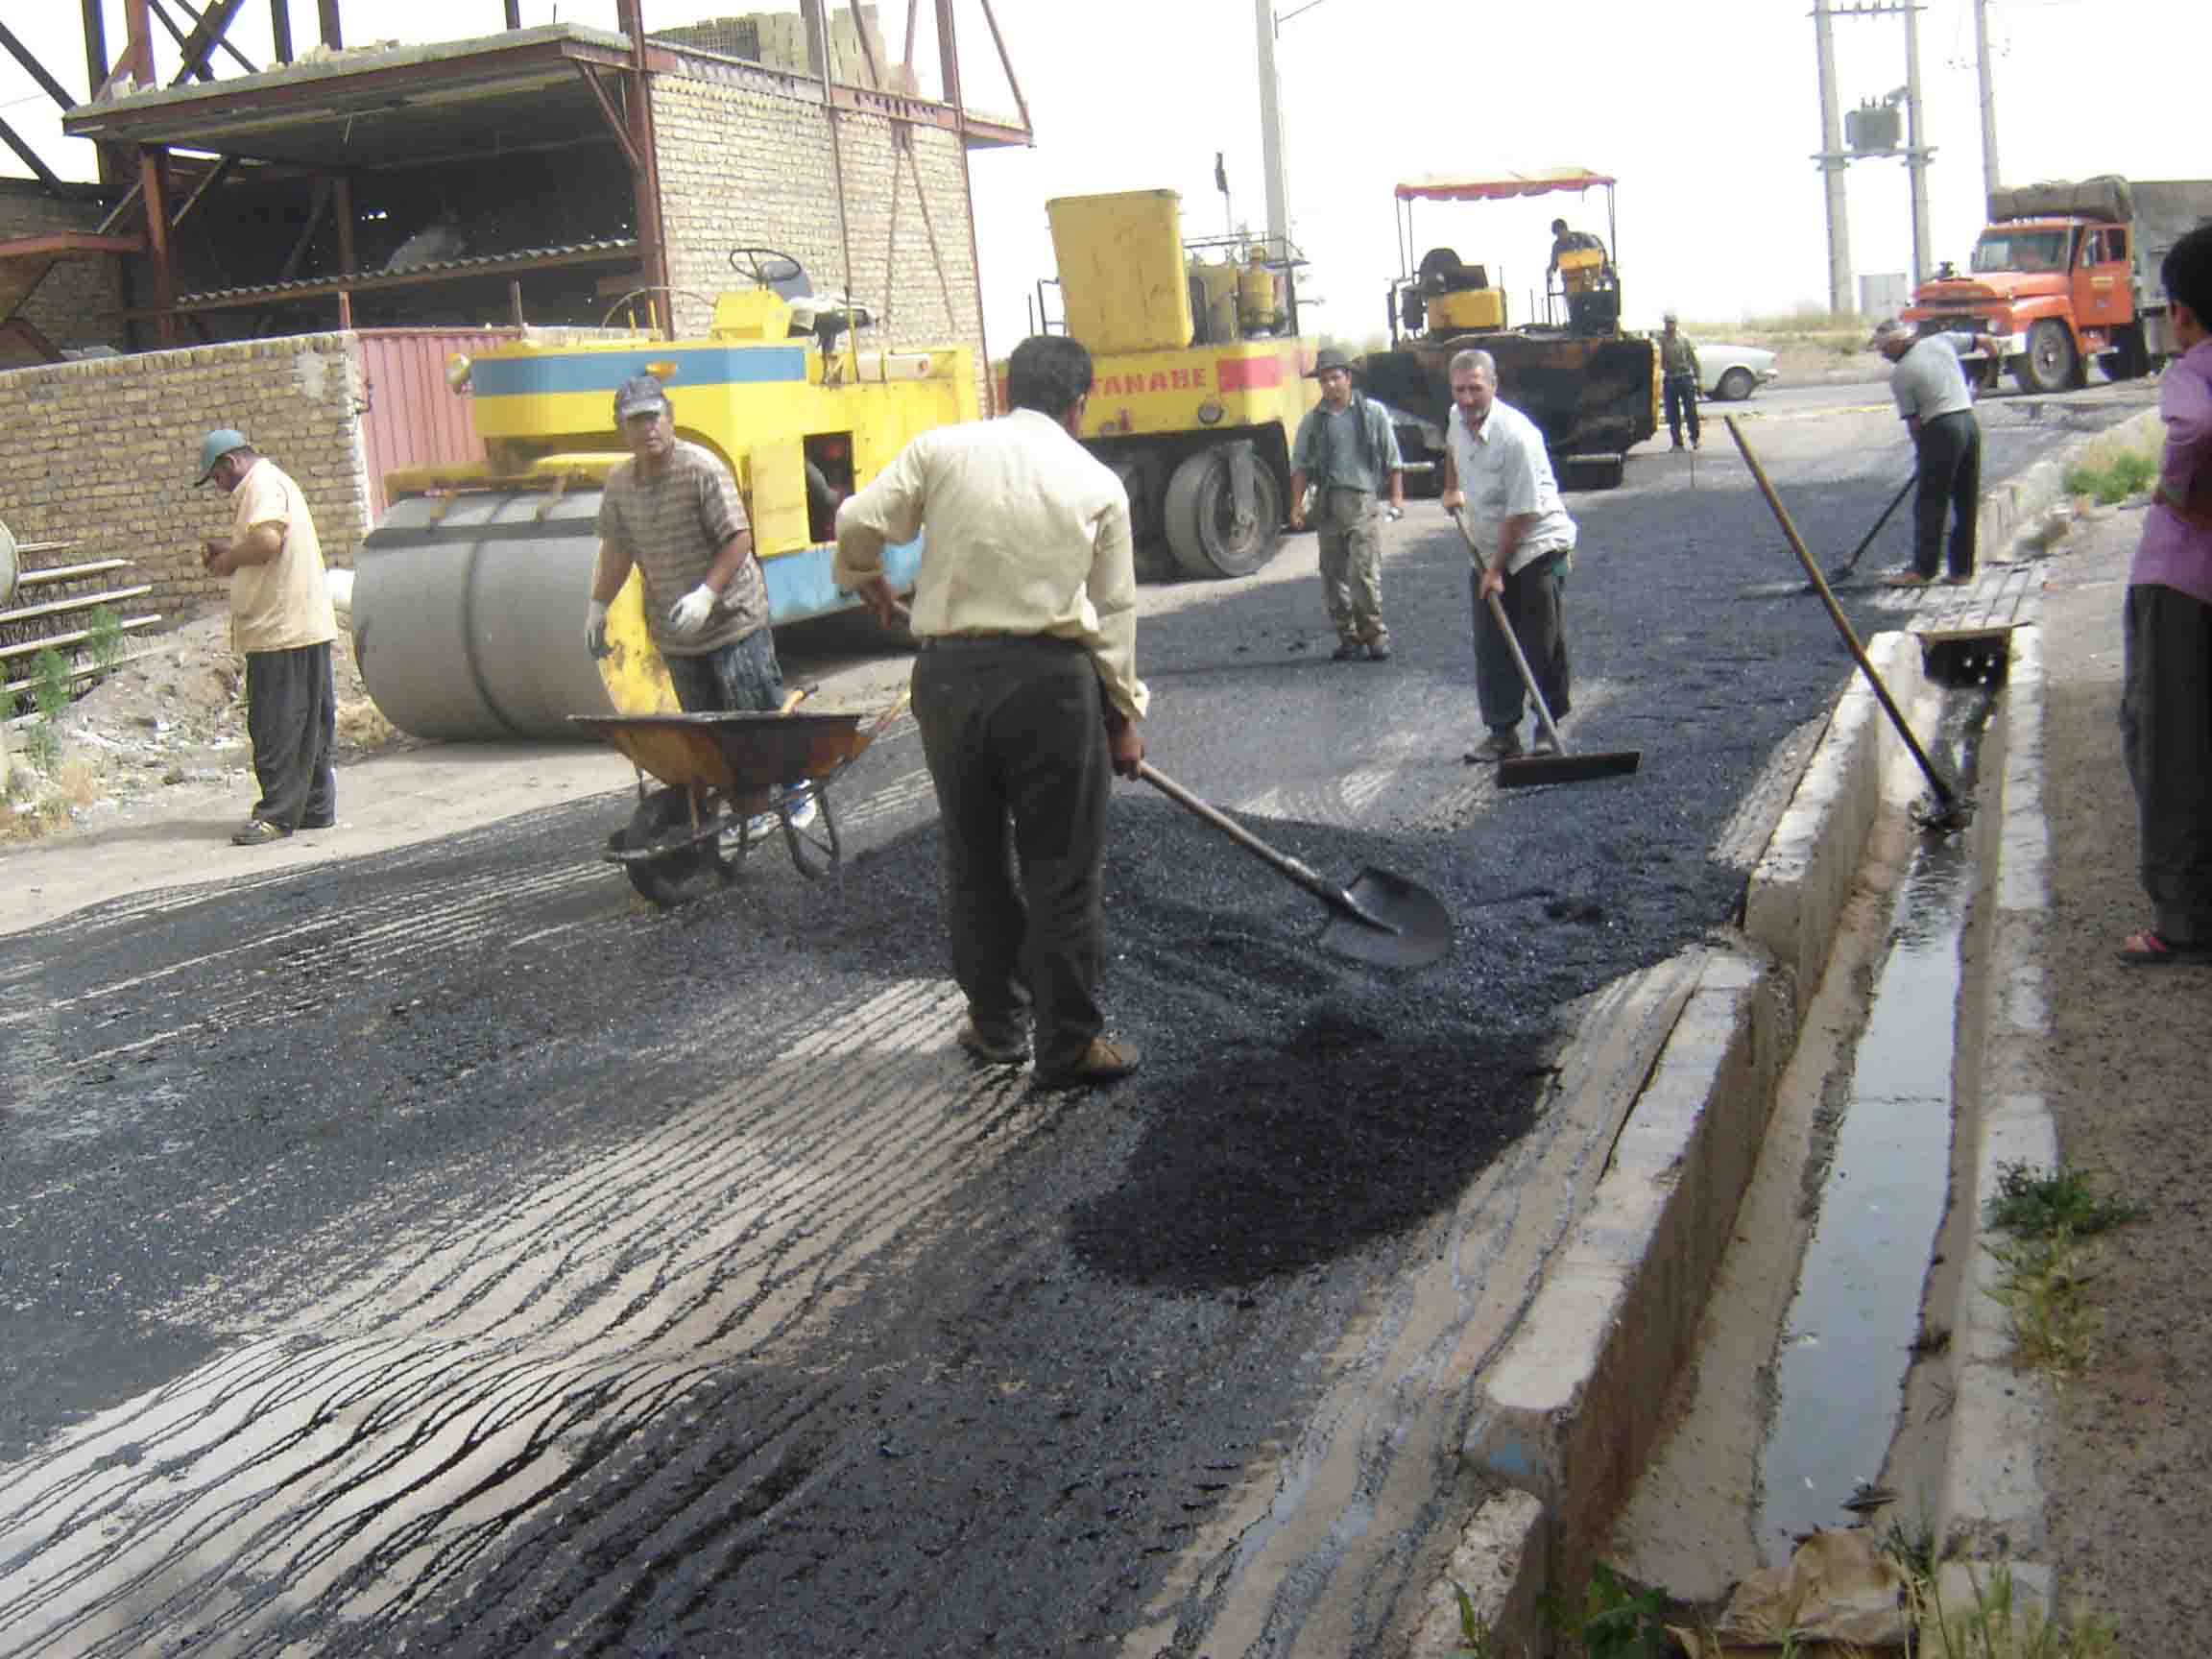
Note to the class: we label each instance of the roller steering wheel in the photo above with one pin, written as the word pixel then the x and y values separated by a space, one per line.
pixel 752 262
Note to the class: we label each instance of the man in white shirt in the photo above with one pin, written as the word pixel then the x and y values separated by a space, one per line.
pixel 283 621
pixel 1930 390
pixel 1498 471
pixel 1027 694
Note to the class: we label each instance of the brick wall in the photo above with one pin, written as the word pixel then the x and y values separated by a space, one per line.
pixel 103 452
pixel 81 301
pixel 745 160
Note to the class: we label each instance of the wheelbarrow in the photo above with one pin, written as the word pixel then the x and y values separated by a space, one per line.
pixel 726 783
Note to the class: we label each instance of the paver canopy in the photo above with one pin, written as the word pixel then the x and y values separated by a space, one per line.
pixel 1496 187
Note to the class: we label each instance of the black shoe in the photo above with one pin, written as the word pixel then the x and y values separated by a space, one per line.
pixel 1379 650
pixel 995 1049
pixel 1351 651
pixel 1498 746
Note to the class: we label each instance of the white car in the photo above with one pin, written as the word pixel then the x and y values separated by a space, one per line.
pixel 1733 373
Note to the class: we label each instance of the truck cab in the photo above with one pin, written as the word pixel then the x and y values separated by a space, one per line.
pixel 2057 289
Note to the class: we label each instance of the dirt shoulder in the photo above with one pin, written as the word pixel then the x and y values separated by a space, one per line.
pixel 2128 1462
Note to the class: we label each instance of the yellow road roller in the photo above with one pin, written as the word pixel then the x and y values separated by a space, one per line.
pixel 468 595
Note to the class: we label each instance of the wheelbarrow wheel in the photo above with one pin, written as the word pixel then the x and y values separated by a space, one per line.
pixel 679 874
pixel 816 848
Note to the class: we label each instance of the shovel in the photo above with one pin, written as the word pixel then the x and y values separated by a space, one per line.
pixel 1559 766
pixel 1950 811
pixel 1382 920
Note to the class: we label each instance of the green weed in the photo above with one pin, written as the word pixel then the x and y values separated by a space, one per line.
pixel 2130 474
pixel 2001 1626
pixel 1474 1637
pixel 50 681
pixel 1617 1619
pixel 2033 1203
pixel 104 636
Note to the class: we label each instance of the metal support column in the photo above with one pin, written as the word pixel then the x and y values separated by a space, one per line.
pixel 153 198
pixel 139 49
pixel 948 58
pixel 334 29
pixel 652 242
pixel 342 205
pixel 280 30
pixel 1916 149
pixel 1833 161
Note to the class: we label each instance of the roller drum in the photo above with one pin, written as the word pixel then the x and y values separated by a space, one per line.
pixel 468 622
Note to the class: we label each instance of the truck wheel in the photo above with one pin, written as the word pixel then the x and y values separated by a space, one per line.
pixel 1208 537
pixel 2049 364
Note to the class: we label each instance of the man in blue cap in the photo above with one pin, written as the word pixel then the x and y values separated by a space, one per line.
pixel 283 621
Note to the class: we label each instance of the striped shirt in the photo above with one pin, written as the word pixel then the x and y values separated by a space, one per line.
pixel 674 527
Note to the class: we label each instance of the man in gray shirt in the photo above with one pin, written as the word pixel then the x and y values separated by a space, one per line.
pixel 1347 450
pixel 1932 400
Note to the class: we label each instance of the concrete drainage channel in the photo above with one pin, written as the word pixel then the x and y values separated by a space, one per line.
pixel 1627 1421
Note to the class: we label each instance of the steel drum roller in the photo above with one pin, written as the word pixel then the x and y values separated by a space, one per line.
pixel 468 618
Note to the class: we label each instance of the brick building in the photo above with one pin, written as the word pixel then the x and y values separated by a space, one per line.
pixel 560 190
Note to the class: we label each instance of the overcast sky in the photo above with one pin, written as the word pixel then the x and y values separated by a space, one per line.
pixel 1706 112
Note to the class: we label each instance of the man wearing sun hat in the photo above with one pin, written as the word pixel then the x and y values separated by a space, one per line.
pixel 283 621
pixel 1348 451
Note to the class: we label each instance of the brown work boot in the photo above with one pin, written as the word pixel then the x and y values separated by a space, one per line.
pixel 1108 1060
pixel 1503 744
pixel 993 1049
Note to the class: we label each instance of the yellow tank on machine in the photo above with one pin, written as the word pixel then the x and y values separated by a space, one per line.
pixel 1201 375
pixel 469 594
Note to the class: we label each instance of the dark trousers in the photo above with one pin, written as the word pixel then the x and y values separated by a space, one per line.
pixel 1532 606
pixel 2166 732
pixel 1014 733
pixel 1682 405
pixel 742 677
pixel 291 717
pixel 1950 474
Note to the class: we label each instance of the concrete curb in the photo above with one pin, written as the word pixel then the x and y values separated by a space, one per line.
pixel 1573 1409
pixel 1990 1503
pixel 1800 884
pixel 2020 512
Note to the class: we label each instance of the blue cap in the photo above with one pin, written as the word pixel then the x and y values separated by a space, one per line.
pixel 214 446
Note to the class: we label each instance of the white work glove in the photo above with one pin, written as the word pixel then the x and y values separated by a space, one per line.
pixel 689 615
pixel 595 630
pixel 1393 514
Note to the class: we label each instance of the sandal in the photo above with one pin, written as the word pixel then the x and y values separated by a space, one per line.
pixel 2148 947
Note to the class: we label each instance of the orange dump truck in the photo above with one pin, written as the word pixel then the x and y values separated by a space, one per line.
pixel 2066 272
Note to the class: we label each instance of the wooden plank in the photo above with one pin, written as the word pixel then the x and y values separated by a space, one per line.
pixel 32 647
pixel 56 606
pixel 66 572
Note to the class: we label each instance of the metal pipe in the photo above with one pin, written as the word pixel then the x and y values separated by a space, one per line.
pixel 280 30
pixel 819 13
pixel 341 198
pixel 652 236
pixel 333 29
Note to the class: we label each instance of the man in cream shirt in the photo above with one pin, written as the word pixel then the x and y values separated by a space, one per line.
pixel 282 620
pixel 1026 694
pixel 1497 469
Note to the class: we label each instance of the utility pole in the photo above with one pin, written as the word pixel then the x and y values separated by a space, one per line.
pixel 1989 176
pixel 1271 135
pixel 1916 150
pixel 1833 161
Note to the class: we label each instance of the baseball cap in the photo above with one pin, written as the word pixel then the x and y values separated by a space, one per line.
pixel 214 446
pixel 638 394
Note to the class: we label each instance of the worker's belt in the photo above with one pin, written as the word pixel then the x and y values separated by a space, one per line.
pixel 977 641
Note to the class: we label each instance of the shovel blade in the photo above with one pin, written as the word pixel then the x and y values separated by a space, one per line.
pixel 1405 926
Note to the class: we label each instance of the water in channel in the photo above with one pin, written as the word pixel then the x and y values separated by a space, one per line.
pixel 1845 1348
